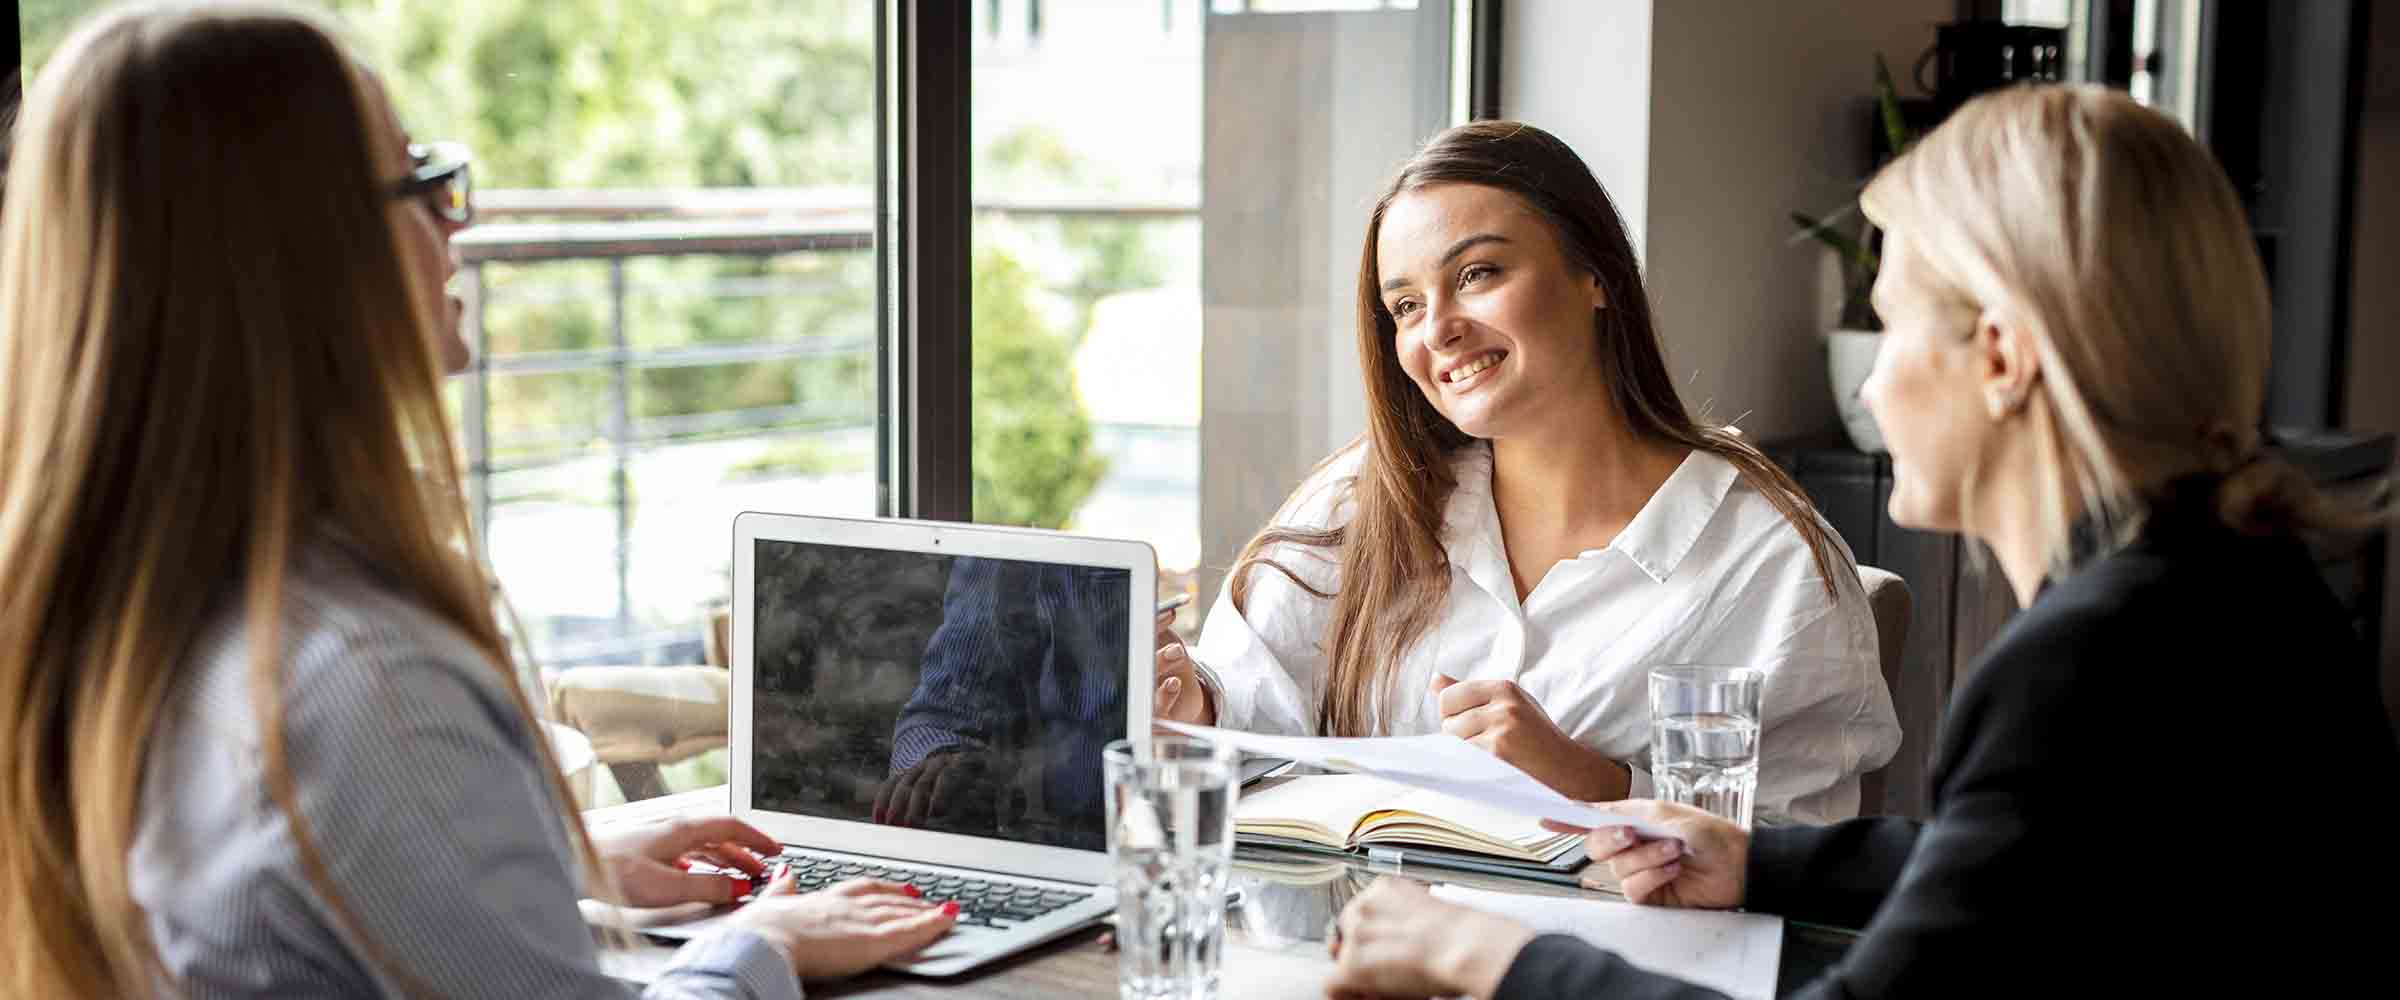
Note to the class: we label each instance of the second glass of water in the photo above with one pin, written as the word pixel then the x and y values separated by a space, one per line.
pixel 1704 737
pixel 1170 836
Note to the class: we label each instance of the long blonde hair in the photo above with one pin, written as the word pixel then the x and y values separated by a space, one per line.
pixel 2106 232
pixel 210 352
pixel 1395 571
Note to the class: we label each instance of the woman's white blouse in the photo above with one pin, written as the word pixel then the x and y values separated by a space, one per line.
pixel 1708 572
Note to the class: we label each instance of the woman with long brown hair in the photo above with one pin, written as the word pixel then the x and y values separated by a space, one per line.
pixel 261 734
pixel 1533 519
pixel 2171 775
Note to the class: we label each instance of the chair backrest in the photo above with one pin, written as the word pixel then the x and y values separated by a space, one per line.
pixel 1889 600
pixel 716 647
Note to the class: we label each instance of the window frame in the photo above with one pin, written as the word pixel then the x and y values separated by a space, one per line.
pixel 926 276
pixel 925 162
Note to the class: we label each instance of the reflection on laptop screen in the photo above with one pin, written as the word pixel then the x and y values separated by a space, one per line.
pixel 949 693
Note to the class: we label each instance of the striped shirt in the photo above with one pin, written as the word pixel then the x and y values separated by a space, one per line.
pixel 422 790
pixel 1029 659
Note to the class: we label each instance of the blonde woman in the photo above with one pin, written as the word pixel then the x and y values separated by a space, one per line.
pixel 2171 775
pixel 1533 519
pixel 262 737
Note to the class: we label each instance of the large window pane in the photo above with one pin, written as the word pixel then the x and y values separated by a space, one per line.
pixel 671 286
pixel 1169 201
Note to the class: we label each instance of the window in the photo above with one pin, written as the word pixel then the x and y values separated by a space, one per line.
pixel 1169 203
pixel 671 286
pixel 684 306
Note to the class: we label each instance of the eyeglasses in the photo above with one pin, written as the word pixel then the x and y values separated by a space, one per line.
pixel 441 178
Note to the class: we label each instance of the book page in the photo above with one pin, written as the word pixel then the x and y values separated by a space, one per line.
pixel 1514 829
pixel 1321 808
pixel 1733 953
pixel 1438 762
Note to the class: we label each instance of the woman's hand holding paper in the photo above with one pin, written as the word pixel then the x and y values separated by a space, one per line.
pixel 1506 722
pixel 1703 867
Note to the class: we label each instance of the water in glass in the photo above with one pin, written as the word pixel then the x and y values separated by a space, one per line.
pixel 1171 839
pixel 1706 759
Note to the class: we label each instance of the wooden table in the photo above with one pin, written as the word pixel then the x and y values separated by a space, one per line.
pixel 1275 946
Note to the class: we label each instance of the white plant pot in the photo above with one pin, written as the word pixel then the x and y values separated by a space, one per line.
pixel 1849 358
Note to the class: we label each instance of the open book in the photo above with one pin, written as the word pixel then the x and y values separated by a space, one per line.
pixel 1438 763
pixel 1351 812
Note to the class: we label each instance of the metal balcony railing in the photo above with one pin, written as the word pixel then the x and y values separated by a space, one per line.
pixel 618 226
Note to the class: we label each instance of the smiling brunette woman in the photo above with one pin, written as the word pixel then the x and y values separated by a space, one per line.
pixel 1533 520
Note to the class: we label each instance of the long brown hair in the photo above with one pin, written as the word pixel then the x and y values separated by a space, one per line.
pixel 1394 569
pixel 211 351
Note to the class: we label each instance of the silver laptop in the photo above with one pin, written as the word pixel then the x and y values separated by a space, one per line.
pixel 926 702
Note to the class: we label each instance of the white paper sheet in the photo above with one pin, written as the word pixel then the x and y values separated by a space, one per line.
pixel 1732 953
pixel 1439 762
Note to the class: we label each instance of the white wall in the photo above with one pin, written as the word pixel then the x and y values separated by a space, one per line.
pixel 1758 110
pixel 1580 69
pixel 1710 121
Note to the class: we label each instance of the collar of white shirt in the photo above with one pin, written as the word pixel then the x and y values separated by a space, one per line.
pixel 1655 541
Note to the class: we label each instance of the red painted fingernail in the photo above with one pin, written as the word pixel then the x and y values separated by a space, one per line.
pixel 912 891
pixel 950 909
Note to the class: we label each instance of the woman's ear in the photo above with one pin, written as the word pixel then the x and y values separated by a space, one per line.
pixel 1598 291
pixel 2008 364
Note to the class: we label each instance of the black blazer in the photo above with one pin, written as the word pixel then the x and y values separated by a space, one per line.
pixel 2173 773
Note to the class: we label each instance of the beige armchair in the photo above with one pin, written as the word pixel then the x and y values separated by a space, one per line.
pixel 641 717
pixel 1889 600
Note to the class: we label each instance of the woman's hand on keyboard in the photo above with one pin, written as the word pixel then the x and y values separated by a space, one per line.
pixel 650 861
pixel 845 929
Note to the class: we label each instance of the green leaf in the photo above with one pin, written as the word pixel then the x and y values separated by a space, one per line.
pixel 1842 243
pixel 1895 128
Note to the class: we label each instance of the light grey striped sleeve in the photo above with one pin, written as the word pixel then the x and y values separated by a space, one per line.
pixel 426 798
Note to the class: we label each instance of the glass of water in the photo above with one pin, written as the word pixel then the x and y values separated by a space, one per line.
pixel 1704 737
pixel 1170 835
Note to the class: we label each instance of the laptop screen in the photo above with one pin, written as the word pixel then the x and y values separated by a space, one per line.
pixel 951 693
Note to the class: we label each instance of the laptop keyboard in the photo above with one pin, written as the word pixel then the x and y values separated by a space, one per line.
pixel 982 901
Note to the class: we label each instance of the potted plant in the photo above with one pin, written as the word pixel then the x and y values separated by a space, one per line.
pixel 1850 347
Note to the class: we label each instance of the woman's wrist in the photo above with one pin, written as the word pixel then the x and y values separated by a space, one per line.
pixel 1596 777
pixel 1474 963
